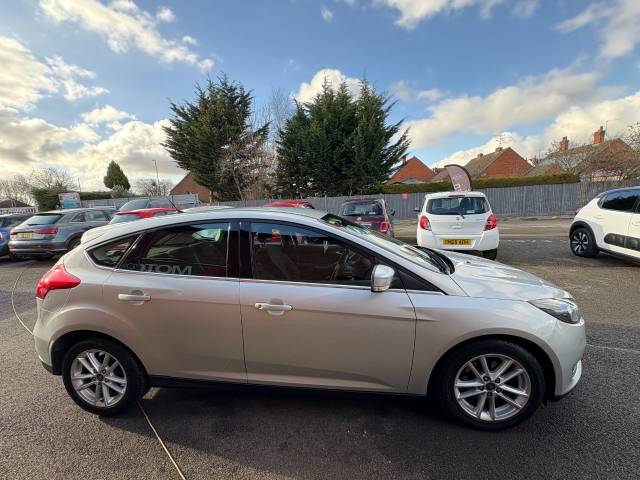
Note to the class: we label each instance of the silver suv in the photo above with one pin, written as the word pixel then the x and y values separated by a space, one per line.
pixel 47 234
pixel 307 299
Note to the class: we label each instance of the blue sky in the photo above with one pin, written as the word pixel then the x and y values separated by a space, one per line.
pixel 88 81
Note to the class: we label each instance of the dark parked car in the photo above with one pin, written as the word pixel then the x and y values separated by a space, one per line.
pixel 144 203
pixel 370 213
pixel 7 222
pixel 51 233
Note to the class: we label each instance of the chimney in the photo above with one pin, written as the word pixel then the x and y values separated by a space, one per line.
pixel 404 160
pixel 498 149
pixel 480 154
pixel 598 136
pixel 564 144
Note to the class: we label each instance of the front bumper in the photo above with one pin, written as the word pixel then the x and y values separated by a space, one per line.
pixel 487 240
pixel 4 249
pixel 568 343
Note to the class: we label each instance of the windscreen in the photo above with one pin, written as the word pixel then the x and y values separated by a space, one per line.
pixel 361 209
pixel 44 219
pixel 124 218
pixel 457 206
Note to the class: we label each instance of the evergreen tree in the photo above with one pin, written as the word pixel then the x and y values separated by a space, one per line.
pixel 115 177
pixel 213 138
pixel 339 144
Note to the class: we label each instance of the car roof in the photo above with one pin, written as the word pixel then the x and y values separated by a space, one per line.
pixel 118 230
pixel 362 200
pixel 620 189
pixel 74 210
pixel 454 194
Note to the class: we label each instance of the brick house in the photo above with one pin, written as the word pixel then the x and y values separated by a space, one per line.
pixel 503 162
pixel 600 160
pixel 411 171
pixel 189 185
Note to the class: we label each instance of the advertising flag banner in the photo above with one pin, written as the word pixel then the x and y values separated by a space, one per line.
pixel 460 178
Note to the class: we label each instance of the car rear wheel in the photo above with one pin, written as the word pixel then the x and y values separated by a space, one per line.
pixel 582 243
pixel 491 384
pixel 490 254
pixel 73 243
pixel 102 377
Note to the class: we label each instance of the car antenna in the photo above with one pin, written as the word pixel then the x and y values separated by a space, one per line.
pixel 174 205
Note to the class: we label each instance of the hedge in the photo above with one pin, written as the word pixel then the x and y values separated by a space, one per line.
pixel 483 183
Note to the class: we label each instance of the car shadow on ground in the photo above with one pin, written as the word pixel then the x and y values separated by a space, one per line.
pixel 311 434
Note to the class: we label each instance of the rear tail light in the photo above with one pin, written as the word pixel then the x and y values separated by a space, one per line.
pixel 56 279
pixel 47 231
pixel 424 223
pixel 492 222
pixel 384 226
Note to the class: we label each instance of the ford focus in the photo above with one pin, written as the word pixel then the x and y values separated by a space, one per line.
pixel 302 299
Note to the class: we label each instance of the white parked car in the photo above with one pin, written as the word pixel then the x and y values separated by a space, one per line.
pixel 458 221
pixel 608 223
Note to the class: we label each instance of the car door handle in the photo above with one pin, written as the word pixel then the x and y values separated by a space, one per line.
pixel 636 223
pixel 273 308
pixel 599 217
pixel 133 297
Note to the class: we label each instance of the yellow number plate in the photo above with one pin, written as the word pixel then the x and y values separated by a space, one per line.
pixel 25 235
pixel 456 241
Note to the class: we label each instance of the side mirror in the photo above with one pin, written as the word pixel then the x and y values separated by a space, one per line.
pixel 393 212
pixel 417 209
pixel 381 278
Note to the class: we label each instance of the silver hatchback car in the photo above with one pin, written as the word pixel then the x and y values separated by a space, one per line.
pixel 302 298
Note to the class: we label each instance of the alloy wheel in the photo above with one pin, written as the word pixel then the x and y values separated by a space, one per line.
pixel 580 242
pixel 98 378
pixel 492 387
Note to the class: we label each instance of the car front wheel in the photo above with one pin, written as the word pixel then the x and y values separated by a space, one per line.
pixel 102 377
pixel 491 384
pixel 582 243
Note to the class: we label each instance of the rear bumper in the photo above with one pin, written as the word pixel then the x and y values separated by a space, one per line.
pixel 36 247
pixel 487 240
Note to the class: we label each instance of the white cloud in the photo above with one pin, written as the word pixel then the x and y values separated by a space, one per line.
pixel 327 15
pixel 106 114
pixel 577 123
pixel 189 40
pixel 530 101
pixel 525 8
pixel 24 79
pixel 27 141
pixel 124 26
pixel 406 93
pixel 333 77
pixel 165 15
pixel 412 12
pixel 618 26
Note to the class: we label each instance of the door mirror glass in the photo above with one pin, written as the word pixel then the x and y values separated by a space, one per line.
pixel 381 278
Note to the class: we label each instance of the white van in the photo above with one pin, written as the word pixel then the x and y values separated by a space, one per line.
pixel 458 221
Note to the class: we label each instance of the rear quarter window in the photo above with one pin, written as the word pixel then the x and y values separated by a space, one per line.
pixel 109 254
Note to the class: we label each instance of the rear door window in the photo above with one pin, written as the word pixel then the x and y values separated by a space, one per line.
pixel 95 216
pixel 200 250
pixel 622 201
pixel 457 205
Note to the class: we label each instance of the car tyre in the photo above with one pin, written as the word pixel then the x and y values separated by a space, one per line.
pixel 462 403
pixel 583 243
pixel 73 244
pixel 490 254
pixel 127 375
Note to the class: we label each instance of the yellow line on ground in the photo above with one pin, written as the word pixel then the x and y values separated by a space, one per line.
pixel 153 429
pixel 15 312
pixel 164 447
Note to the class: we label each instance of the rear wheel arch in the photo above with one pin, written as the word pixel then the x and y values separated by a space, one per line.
pixel 540 355
pixel 62 345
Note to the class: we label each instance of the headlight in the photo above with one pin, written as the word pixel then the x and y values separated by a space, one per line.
pixel 563 309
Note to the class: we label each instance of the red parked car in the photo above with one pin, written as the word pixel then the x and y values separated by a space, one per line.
pixel 370 213
pixel 122 217
pixel 290 204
